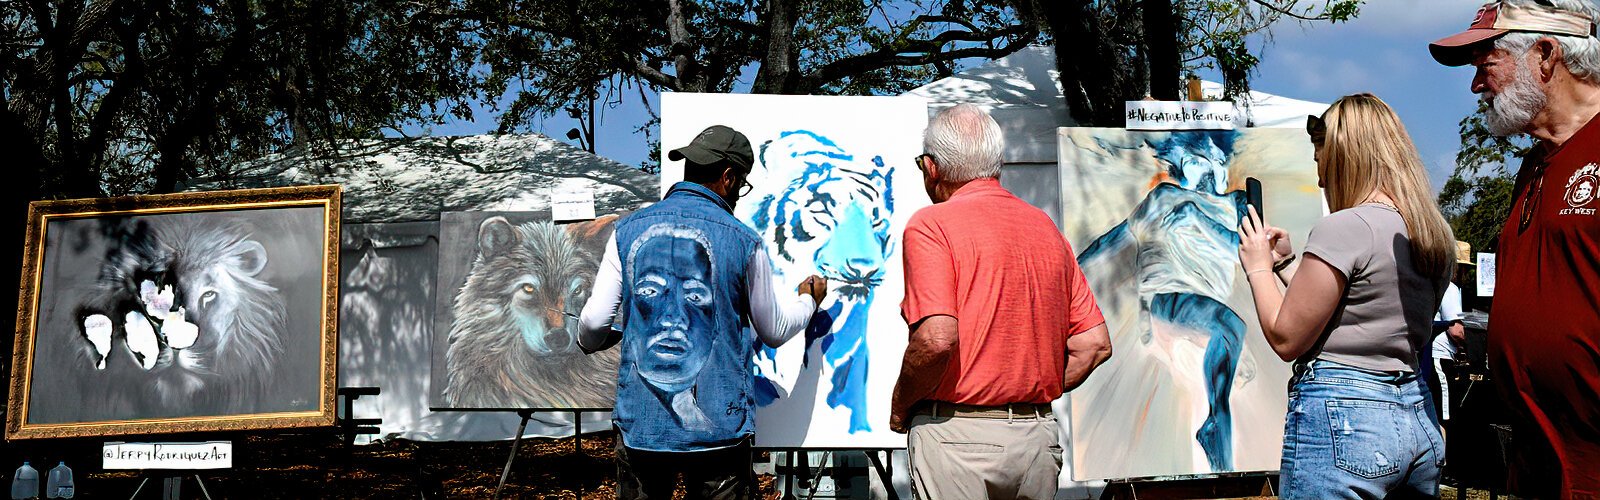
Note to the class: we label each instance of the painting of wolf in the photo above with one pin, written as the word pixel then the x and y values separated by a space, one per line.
pixel 511 286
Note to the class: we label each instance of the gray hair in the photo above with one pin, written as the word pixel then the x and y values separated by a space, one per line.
pixel 966 143
pixel 1580 54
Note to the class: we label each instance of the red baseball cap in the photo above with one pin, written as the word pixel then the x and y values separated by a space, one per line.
pixel 1498 18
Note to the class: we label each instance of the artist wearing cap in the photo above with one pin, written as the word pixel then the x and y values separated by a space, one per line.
pixel 1538 69
pixel 676 287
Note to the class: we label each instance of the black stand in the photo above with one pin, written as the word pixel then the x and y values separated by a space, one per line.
pixel 350 426
pixel 1223 485
pixel 884 472
pixel 516 445
pixel 800 465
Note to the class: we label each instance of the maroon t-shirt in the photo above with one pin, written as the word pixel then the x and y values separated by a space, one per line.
pixel 1544 329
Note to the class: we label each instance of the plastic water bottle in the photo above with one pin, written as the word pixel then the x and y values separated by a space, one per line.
pixel 26 483
pixel 60 483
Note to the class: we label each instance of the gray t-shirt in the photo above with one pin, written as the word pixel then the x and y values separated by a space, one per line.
pixel 1386 315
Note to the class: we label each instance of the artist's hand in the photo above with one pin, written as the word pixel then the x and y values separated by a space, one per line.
pixel 816 287
pixel 1259 243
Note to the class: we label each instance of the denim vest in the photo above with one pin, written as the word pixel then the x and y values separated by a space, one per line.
pixel 684 383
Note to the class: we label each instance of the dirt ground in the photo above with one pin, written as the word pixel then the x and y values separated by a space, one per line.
pixel 302 466
pixel 314 467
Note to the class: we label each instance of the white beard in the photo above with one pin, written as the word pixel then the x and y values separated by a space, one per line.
pixel 1512 109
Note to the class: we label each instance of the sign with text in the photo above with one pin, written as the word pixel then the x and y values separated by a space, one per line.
pixel 572 204
pixel 1485 274
pixel 1180 115
pixel 183 456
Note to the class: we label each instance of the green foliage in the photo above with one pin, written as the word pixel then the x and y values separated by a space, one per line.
pixel 135 97
pixel 1477 197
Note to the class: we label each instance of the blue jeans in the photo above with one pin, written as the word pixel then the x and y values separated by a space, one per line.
pixel 1355 433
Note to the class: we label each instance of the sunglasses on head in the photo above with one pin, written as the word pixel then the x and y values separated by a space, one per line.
pixel 1317 129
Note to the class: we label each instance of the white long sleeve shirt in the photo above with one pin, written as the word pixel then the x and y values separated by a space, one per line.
pixel 774 318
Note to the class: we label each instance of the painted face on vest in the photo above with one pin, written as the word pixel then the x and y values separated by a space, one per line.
pixel 672 294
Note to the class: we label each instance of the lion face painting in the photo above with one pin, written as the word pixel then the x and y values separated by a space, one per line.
pixel 512 340
pixel 185 315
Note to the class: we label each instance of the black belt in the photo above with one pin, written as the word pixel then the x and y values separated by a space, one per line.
pixel 1005 411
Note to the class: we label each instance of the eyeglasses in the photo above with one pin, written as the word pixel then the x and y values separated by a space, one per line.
pixel 1317 129
pixel 745 188
pixel 918 160
pixel 1530 200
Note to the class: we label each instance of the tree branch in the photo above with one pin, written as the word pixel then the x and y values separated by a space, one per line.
pixel 920 52
pixel 1290 13
pixel 653 75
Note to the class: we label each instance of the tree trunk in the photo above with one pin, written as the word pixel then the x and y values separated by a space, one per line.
pixel 689 74
pixel 1097 74
pixel 777 74
pixel 1161 38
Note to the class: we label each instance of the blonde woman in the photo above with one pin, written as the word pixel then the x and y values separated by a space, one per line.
pixel 1357 313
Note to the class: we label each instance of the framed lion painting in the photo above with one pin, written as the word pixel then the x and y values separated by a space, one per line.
pixel 173 313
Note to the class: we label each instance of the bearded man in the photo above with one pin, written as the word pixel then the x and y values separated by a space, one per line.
pixel 1538 69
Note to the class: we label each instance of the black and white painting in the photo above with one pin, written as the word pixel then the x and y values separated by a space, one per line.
pixel 177 319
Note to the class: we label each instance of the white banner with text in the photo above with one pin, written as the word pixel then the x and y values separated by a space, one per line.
pixel 202 455
pixel 1181 115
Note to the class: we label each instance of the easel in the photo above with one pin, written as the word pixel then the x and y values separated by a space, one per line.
pixel 349 426
pixel 172 487
pixel 516 445
pixel 1227 485
pixel 881 466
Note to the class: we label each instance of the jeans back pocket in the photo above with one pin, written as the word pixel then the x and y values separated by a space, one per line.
pixel 1367 440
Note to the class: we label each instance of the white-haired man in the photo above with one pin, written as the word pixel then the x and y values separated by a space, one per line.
pixel 1538 69
pixel 1002 323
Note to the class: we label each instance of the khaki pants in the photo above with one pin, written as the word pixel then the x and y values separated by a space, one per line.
pixel 962 458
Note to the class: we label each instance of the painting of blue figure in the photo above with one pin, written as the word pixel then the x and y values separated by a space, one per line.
pixel 1193 387
pixel 833 187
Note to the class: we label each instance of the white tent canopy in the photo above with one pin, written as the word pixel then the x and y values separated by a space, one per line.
pixel 1023 92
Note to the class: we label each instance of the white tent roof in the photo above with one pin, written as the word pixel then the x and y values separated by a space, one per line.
pixel 1023 92
pixel 414 179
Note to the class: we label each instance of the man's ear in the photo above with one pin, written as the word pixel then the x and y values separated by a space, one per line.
pixel 1549 51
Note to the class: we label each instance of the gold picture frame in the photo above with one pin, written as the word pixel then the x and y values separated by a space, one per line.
pixel 97 354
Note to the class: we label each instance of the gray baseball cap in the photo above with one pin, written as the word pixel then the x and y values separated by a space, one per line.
pixel 717 143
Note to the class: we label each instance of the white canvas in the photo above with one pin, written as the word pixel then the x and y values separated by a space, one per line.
pixel 858 152
pixel 1153 218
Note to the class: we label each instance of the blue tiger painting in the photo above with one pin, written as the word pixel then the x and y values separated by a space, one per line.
pixel 830 214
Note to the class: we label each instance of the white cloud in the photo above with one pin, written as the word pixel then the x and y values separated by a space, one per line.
pixel 1416 17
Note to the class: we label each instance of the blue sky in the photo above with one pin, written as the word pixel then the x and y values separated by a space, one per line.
pixel 1384 51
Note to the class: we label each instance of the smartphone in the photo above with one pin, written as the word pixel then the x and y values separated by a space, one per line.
pixel 1252 192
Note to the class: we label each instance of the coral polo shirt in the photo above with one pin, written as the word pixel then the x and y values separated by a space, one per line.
pixel 1001 268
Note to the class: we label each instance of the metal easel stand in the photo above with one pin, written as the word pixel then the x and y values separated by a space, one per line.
pixel 516 445
pixel 172 487
pixel 803 466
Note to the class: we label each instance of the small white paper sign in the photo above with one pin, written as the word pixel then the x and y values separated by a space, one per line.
pixel 183 456
pixel 1180 115
pixel 572 204
pixel 1485 274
